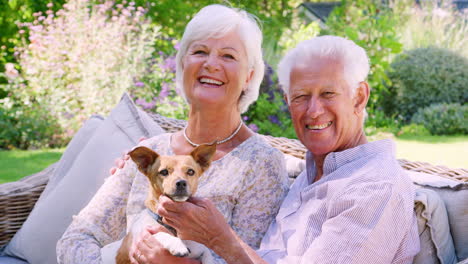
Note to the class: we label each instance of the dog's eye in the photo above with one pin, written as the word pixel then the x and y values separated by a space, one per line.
pixel 190 172
pixel 164 172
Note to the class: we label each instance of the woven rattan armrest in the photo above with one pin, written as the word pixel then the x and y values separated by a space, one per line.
pixel 17 199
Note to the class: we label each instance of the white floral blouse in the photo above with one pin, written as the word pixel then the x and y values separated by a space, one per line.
pixel 247 185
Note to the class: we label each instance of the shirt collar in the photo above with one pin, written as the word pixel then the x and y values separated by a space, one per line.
pixel 334 160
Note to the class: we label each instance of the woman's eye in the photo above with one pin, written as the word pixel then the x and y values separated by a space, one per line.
pixel 190 172
pixel 229 56
pixel 199 52
pixel 164 172
pixel 328 94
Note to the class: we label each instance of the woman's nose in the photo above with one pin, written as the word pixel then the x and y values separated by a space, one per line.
pixel 315 108
pixel 211 63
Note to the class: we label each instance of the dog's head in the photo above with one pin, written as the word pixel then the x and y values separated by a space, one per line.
pixel 174 176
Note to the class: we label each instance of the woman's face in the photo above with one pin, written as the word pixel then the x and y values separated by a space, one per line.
pixel 215 71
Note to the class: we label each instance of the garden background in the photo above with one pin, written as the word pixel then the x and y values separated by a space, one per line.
pixel 62 61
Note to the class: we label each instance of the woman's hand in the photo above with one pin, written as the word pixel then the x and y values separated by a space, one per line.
pixel 120 162
pixel 146 249
pixel 197 220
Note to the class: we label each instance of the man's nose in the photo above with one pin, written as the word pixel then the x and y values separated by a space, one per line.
pixel 315 107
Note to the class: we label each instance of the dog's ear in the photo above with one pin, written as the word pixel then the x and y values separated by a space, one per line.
pixel 203 155
pixel 144 158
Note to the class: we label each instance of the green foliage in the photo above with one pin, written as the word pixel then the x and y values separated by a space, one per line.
pixel 269 116
pixel 157 92
pixel 373 26
pixel 443 119
pixel 173 16
pixel 425 76
pixel 413 130
pixel 25 124
pixel 378 119
pixel 12 12
pixel 80 60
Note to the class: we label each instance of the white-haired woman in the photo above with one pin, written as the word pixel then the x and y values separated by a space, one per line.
pixel 219 69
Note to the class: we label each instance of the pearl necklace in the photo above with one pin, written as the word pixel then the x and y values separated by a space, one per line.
pixel 217 142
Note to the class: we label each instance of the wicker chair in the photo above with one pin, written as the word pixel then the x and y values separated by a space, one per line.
pixel 16 204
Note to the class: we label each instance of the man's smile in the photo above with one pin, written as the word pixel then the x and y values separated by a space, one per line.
pixel 319 127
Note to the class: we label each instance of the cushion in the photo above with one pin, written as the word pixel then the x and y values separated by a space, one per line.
pixel 37 238
pixel 454 194
pixel 73 149
pixel 434 233
pixel 12 260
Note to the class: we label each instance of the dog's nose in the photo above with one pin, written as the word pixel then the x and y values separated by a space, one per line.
pixel 181 184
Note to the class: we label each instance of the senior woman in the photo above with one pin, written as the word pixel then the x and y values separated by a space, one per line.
pixel 219 69
pixel 352 204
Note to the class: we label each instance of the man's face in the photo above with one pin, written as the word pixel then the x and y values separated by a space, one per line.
pixel 325 114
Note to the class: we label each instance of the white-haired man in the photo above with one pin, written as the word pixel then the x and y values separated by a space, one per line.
pixel 352 204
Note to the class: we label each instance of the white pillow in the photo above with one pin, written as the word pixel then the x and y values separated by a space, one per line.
pixel 37 238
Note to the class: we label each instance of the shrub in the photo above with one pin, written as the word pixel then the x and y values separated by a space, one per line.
pixel 443 119
pixel 425 76
pixel 413 130
pixel 269 115
pixel 81 59
pixel 377 121
pixel 24 124
pixel 157 92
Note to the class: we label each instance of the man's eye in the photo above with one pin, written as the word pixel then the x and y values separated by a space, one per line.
pixel 164 172
pixel 190 172
pixel 298 98
pixel 199 52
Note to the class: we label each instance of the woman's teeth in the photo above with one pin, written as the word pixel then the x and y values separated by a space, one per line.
pixel 210 81
pixel 319 127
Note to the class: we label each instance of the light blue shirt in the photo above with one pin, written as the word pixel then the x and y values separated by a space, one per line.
pixel 360 211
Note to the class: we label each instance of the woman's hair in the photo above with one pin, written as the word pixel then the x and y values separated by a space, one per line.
pixel 354 59
pixel 215 21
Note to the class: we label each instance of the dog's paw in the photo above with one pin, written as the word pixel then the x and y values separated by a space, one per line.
pixel 173 244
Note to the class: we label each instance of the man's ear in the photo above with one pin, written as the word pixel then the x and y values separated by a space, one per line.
pixel 144 158
pixel 203 155
pixel 361 97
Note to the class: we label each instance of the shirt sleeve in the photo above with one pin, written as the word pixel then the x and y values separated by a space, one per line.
pixel 264 188
pixel 364 225
pixel 101 222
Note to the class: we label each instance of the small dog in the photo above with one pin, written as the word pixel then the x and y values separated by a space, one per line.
pixel 176 177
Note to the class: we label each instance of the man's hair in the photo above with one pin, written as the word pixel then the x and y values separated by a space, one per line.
pixel 354 59
pixel 215 21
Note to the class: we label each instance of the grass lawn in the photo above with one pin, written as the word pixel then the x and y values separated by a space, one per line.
pixel 450 151
pixel 15 164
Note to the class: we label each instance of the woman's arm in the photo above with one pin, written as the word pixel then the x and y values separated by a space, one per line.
pixel 101 222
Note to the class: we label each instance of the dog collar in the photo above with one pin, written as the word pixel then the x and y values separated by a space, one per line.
pixel 159 219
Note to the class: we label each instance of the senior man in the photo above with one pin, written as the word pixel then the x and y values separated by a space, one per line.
pixel 352 204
